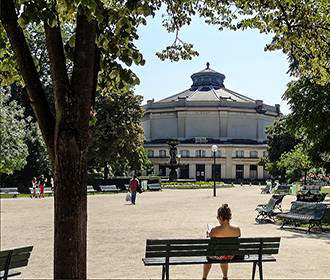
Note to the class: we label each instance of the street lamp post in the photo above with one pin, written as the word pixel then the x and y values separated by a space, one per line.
pixel 214 150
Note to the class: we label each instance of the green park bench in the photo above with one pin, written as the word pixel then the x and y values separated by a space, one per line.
pixel 304 212
pixel 109 188
pixel 90 189
pixel 10 191
pixel 283 189
pixel 154 187
pixel 12 259
pixel 168 252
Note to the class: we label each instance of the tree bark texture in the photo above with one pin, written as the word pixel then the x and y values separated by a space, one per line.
pixel 67 134
pixel 71 146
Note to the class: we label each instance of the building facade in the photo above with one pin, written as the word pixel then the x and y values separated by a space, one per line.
pixel 209 114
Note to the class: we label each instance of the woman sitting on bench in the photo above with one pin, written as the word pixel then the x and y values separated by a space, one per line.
pixel 224 230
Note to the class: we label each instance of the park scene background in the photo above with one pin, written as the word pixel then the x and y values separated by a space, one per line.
pixel 71 110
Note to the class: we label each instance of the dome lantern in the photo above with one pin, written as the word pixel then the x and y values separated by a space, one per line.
pixel 207 78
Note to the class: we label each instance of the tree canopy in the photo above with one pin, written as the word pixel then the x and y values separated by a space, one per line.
pixel 296 163
pixel 14 151
pixel 309 119
pixel 117 144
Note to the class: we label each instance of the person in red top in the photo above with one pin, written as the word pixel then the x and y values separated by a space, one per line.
pixel 42 182
pixel 133 186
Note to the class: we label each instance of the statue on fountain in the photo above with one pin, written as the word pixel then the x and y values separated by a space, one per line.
pixel 173 165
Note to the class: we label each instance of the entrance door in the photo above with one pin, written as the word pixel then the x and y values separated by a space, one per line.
pixel 162 170
pixel 239 171
pixel 217 172
pixel 200 172
pixel 253 172
pixel 184 171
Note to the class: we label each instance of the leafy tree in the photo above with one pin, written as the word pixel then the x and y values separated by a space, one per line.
pixel 117 145
pixel 103 34
pixel 14 151
pixel 310 117
pixel 296 162
pixel 280 141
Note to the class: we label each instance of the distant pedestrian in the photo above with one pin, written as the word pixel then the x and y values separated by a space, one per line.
pixel 34 187
pixel 42 182
pixel 133 186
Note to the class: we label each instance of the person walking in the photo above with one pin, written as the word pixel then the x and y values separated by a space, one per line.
pixel 224 230
pixel 133 186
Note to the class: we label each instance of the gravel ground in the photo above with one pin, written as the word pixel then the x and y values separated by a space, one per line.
pixel 117 233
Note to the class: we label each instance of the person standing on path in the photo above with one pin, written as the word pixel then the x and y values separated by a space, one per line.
pixel 133 186
pixel 34 187
pixel 42 183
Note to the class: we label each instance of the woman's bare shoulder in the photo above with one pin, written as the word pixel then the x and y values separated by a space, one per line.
pixel 236 229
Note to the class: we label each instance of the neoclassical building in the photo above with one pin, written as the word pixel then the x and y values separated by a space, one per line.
pixel 209 114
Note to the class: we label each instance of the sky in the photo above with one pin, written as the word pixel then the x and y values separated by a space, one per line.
pixel 239 55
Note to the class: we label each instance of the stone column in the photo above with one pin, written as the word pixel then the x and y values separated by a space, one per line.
pixel 246 171
pixel 208 171
pixel 230 174
pixel 260 172
pixel 156 169
pixel 192 170
pixel 223 171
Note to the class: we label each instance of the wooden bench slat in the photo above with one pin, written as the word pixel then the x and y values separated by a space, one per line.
pixel 16 251
pixel 22 249
pixel 176 241
pixel 11 273
pixel 202 260
pixel 211 252
pixel 20 257
pixel 176 247
pixel 4 254
pixel 206 246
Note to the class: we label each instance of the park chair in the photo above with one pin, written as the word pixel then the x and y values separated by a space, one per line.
pixel 266 189
pixel 266 211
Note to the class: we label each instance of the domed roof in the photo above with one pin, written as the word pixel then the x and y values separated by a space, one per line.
pixel 207 78
pixel 208 85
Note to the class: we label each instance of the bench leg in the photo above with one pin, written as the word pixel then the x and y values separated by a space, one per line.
pixel 254 270
pixel 261 277
pixel 163 272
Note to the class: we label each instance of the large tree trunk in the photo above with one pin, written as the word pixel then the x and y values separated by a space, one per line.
pixel 70 209
pixel 73 109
